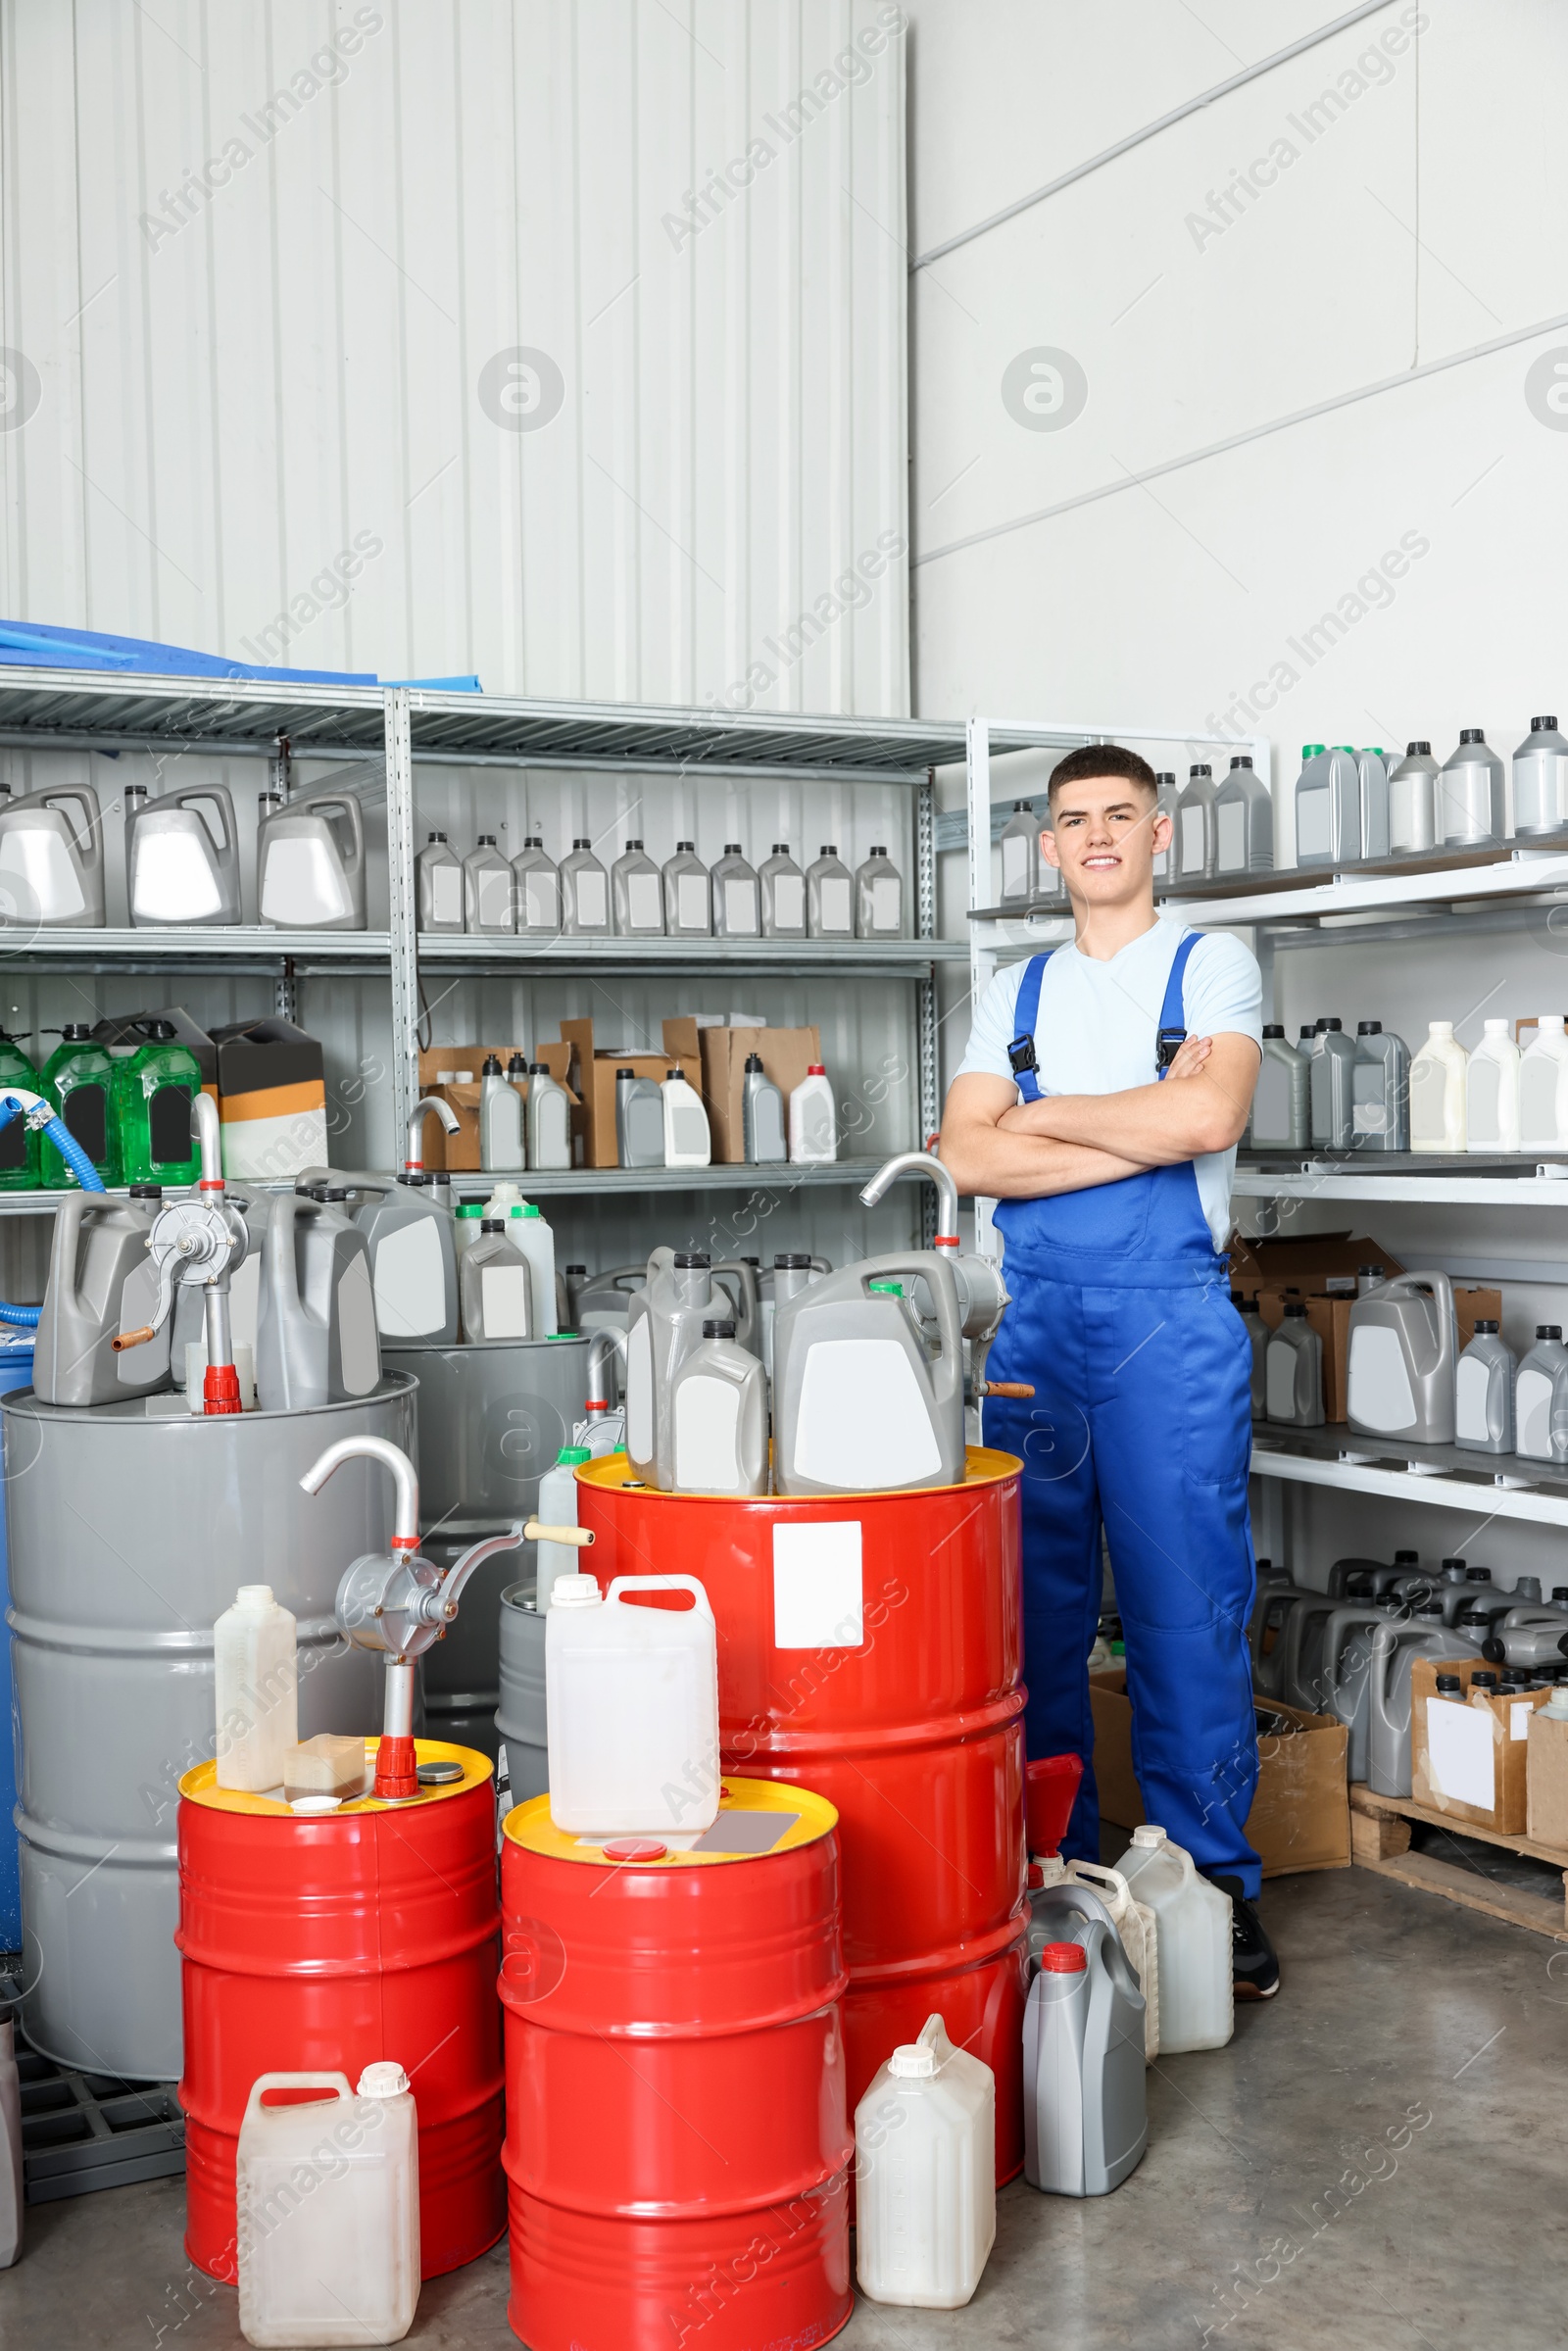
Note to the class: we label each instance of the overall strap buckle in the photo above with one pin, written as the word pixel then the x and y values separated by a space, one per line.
pixel 1169 1046
pixel 1021 1055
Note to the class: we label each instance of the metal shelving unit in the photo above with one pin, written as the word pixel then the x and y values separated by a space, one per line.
pixel 393 732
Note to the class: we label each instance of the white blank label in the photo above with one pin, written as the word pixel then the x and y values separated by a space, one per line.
pixel 1459 1753
pixel 1472 1384
pixel 1015 866
pixel 887 912
pixel 539 895
pixel 691 899
pixel 494 895
pixel 590 888
pixel 817 1597
pixel 833 897
pixel 643 909
pixel 788 903
pixel 1232 821
pixel 1519 1712
pixel 1312 834
pixel 740 909
pixel 446 894
pixel 504 1301
pixel 1191 840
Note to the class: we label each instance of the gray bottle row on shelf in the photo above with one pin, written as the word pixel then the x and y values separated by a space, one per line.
pixel 489 894
pixel 1329 1094
pixel 1353 806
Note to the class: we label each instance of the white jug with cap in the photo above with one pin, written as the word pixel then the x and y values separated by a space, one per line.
pixel 182 856
pixel 631 1698
pixel 310 861
pixel 327 2208
pixel 52 858
pixel 256 1675
pixel 926 2175
pixel 1197 2007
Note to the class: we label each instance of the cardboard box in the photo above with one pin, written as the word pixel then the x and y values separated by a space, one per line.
pixel 1546 1782
pixel 271 1099
pixel 1300 1815
pixel 1321 1269
pixel 1474 1769
pixel 786 1055
pixel 458 1153
pixel 596 1084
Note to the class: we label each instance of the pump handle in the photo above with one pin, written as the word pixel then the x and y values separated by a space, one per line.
pixel 581 1538
pixel 1003 1388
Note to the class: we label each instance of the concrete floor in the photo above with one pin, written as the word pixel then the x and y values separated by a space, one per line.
pixel 1379 2157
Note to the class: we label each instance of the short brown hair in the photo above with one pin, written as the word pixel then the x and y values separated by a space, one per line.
pixel 1097 760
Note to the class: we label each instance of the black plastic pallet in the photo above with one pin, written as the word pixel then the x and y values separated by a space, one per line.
pixel 84 2131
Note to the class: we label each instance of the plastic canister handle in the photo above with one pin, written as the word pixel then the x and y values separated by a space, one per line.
pixel 689 1584
pixel 266 2082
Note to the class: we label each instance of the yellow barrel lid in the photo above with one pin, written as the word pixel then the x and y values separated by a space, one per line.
pixel 756 1818
pixel 983 1465
pixel 199 1786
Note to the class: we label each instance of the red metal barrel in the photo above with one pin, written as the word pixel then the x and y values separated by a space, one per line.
pixel 872 1646
pixel 324 1944
pixel 677 2144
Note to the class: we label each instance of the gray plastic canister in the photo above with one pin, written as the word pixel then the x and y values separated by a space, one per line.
pixel 1402 1357
pixel 131 1529
pixel 520 1715
pixel 1085 2108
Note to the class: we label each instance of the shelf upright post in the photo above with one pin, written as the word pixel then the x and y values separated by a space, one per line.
pixel 982 958
pixel 925 1002
pixel 403 942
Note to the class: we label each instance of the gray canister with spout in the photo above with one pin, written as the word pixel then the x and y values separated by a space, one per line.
pixel 520 1715
pixel 315 1337
pixel 1403 1352
pixel 101 1284
pixel 114 1602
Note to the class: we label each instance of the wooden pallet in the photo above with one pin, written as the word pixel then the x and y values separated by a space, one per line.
pixel 1380 1839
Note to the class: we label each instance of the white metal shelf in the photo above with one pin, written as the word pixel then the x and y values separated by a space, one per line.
pixel 893 957
pixel 1478 1491
pixel 1297 897
pixel 190 946
pixel 550 1183
pixel 1434 1191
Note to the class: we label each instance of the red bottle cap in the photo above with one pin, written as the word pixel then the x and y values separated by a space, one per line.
pixel 1063 1959
pixel 635 1848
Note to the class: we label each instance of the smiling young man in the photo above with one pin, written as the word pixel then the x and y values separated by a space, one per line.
pixel 1099 1103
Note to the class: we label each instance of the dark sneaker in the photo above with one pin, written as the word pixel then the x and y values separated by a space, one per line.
pixel 1255 1972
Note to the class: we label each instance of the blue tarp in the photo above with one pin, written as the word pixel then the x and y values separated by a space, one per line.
pixel 32 645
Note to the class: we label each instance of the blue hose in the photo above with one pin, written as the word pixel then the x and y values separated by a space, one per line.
pixel 81 1168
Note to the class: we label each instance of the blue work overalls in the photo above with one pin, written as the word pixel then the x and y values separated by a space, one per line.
pixel 1141 1422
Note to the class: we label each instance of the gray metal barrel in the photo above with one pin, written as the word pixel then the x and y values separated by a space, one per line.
pixel 520 1715
pixel 130 1528
pixel 492 1420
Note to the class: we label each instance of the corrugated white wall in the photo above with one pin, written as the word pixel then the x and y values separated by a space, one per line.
pixel 562 343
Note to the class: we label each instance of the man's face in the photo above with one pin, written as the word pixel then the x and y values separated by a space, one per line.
pixel 1107 835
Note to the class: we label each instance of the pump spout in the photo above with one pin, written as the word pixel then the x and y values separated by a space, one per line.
pixel 406 1515
pixel 926 1164
pixel 414 1160
pixel 205 1128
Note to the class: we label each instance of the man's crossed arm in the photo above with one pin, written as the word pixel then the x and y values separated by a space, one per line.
pixel 1008 1149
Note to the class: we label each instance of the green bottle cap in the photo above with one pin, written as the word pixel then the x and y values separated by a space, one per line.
pixel 886 1288
pixel 573 1454
pixel 1309 751
pixel 528 1209
pixel 1349 746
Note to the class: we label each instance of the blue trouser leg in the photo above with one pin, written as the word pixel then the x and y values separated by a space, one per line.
pixel 1155 1382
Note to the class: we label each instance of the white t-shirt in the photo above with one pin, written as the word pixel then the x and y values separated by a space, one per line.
pixel 1096 1033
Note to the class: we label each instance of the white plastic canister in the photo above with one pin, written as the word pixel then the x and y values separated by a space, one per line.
pixel 256 1674
pixel 926 2175
pixel 1196 2009
pixel 631 1699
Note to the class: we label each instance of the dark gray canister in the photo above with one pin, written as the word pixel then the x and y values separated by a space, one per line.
pixel 131 1529
pixel 520 1716
pixel 491 1421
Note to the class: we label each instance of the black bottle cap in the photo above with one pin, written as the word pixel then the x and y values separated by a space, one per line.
pixel 680 845
pixel 582 845
pixel 1242 758
pixel 1427 1607
pixel 754 1061
pixel 530 840
pixel 790 1259
pixel 1478 1575
pixel 732 849
pixel 689 1259
pixel 336 1191
pixel 1023 806
pixel 624 1073
pixel 1406 1558
pixel 1449 1686
pixel 488 841
pixel 879 849
pixel 634 845
pixel 75 1030
pixel 749 1260
pixel 160 1030
pixel 1418 751
pixel 1166 775
pixel 1333 1025
pixel 1319 1025
pixel 266 802
pixel 1446 1564
pixel 1194 772
pixel 430 837
pixel 440 836
pixel 582 1270
pixel 1273 1028
pixel 1483 1678
pixel 1543 726
pixel 718 1330
pixel 1377 1270
pixel 1369 1028
pixel 541 1069
pixel 670 1073
pixel 781 848
pixel 146 1192
pixel 1485 1324
pixel 1471 734
pixel 1559 1591
pixel 1297 1308
pixel 829 848
pixel 517 1066
pixel 1548 1330
pixel 492 1066
pixel 492 1224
